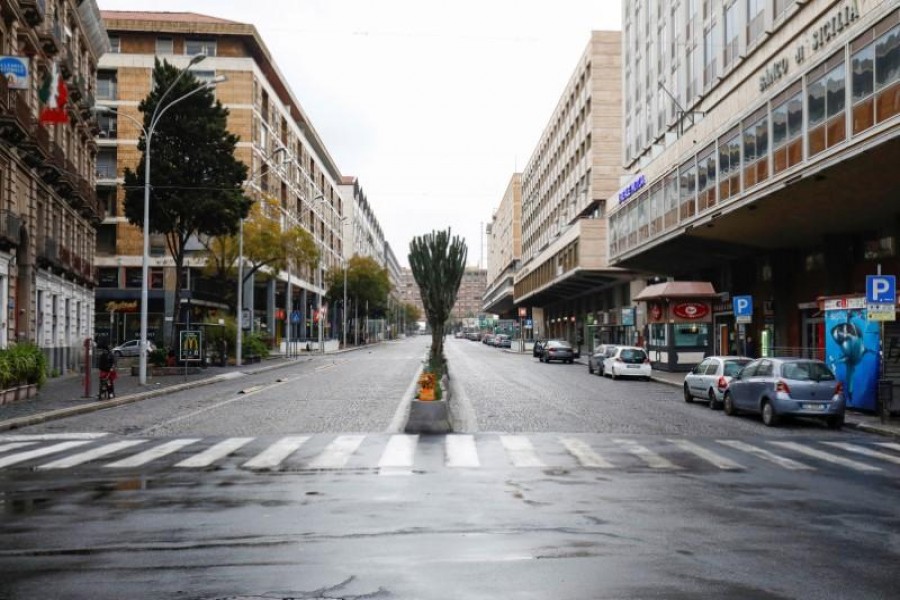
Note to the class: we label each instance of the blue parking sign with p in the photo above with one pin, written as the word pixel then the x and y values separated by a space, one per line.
pixel 881 289
pixel 743 306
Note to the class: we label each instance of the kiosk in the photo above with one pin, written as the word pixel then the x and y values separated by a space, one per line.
pixel 679 323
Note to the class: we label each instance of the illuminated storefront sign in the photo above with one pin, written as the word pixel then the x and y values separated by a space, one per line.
pixel 629 190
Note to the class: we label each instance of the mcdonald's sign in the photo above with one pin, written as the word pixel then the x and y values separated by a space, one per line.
pixel 191 342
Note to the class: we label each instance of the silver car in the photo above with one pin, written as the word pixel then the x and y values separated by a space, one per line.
pixel 560 350
pixel 132 348
pixel 778 387
pixel 595 360
pixel 709 380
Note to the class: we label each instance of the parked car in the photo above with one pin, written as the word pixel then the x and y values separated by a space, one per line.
pixel 488 339
pixel 537 348
pixel 709 380
pixel 560 350
pixel 132 348
pixel 780 387
pixel 627 361
pixel 595 360
pixel 502 341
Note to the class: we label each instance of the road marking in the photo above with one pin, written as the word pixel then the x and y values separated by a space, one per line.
pixel 45 437
pixel 8 447
pixel 520 451
pixel 214 453
pixel 708 455
pixel 13 459
pixel 827 457
pixel 399 452
pixel 142 458
pixel 272 456
pixel 337 453
pixel 866 451
pixel 781 461
pixel 584 454
pixel 890 445
pixel 461 451
pixel 89 455
pixel 650 458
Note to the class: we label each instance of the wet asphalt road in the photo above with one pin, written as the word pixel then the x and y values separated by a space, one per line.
pixel 606 496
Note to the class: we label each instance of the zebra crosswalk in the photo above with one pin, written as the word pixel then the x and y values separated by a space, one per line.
pixel 455 452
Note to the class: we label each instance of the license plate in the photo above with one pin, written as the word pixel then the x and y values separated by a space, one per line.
pixel 634 366
pixel 813 406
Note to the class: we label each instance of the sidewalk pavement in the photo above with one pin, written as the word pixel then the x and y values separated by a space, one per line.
pixel 64 396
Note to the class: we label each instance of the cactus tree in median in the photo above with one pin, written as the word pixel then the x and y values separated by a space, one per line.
pixel 437 263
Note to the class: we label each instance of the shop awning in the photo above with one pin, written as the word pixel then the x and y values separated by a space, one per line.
pixel 677 289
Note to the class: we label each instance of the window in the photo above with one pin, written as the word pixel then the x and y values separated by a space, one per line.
pixel 731 34
pixel 106 163
pixel 108 277
pixel 687 188
pixel 205 47
pixel 107 85
pixel 710 51
pixel 689 335
pixel 781 7
pixel 756 148
pixel 106 242
pixel 756 16
pixel 706 178
pixel 729 165
pixel 165 45
pixel 115 44
pixel 133 277
pixel 787 127
pixel 826 103
pixel 887 74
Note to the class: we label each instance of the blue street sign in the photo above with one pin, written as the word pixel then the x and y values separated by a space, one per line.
pixel 743 306
pixel 295 316
pixel 881 289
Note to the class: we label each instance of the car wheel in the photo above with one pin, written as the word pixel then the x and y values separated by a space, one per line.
pixel 590 367
pixel 687 394
pixel 612 373
pixel 769 417
pixel 713 403
pixel 571 361
pixel 729 405
pixel 835 422
pixel 118 353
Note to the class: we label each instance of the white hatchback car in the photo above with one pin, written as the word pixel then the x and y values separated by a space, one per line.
pixel 709 380
pixel 627 361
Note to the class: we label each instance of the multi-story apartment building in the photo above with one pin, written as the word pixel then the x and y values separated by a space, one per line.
pixel 565 279
pixel 286 158
pixel 470 297
pixel 48 208
pixel 409 291
pixel 504 235
pixel 362 232
pixel 762 140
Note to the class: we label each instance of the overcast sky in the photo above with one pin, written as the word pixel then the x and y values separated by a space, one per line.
pixel 431 104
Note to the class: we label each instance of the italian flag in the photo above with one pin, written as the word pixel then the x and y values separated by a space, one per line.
pixel 53 95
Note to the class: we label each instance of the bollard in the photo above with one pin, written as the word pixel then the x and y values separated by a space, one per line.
pixel 87 368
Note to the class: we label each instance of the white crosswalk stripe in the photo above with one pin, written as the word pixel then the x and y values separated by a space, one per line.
pixel 19 457
pixel 461 451
pixel 826 456
pixel 890 445
pixel 46 437
pixel 214 453
pixel 892 458
pixel 15 446
pixel 400 452
pixel 764 454
pixel 272 456
pixel 649 457
pixel 338 452
pixel 721 462
pixel 89 455
pixel 151 454
pixel 520 451
pixel 584 454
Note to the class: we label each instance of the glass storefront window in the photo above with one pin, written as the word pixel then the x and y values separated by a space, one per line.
pixel 658 335
pixel 815 100
pixel 863 65
pixel 887 58
pixel 688 335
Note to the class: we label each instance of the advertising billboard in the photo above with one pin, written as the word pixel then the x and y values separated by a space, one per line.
pixel 851 351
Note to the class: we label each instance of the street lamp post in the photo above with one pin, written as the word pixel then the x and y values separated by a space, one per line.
pixel 148 132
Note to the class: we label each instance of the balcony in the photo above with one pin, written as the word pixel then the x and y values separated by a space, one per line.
pixel 16 120
pixel 51 38
pixel 10 225
pixel 48 252
pixel 67 65
pixel 33 11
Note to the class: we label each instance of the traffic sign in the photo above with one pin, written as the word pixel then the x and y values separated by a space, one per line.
pixel 743 308
pixel 881 312
pixel 881 289
pixel 295 316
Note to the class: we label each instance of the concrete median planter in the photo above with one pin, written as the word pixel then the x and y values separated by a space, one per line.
pixel 428 416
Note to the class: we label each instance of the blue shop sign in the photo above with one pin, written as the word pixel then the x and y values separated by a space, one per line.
pixel 629 190
pixel 15 70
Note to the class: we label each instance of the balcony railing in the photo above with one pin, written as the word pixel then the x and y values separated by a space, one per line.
pixel 33 11
pixel 48 250
pixel 51 38
pixel 10 226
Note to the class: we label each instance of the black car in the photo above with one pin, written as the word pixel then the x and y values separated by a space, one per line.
pixel 537 349
pixel 560 350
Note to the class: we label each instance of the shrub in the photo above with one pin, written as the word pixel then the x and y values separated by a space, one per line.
pixel 157 358
pixel 254 345
pixel 22 364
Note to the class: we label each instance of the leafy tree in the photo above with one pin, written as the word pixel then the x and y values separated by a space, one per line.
pixel 437 265
pixel 410 314
pixel 368 284
pixel 195 178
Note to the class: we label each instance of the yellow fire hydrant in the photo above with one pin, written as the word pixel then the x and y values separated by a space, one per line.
pixel 426 386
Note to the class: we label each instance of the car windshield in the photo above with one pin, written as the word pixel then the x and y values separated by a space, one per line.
pixel 733 367
pixel 558 344
pixel 807 371
pixel 632 355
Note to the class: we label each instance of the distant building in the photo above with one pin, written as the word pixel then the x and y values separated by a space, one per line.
pixel 470 297
pixel 504 235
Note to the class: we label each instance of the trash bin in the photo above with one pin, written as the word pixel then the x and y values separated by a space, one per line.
pixel 886 396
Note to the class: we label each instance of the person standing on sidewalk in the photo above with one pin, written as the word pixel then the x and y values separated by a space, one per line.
pixel 106 362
